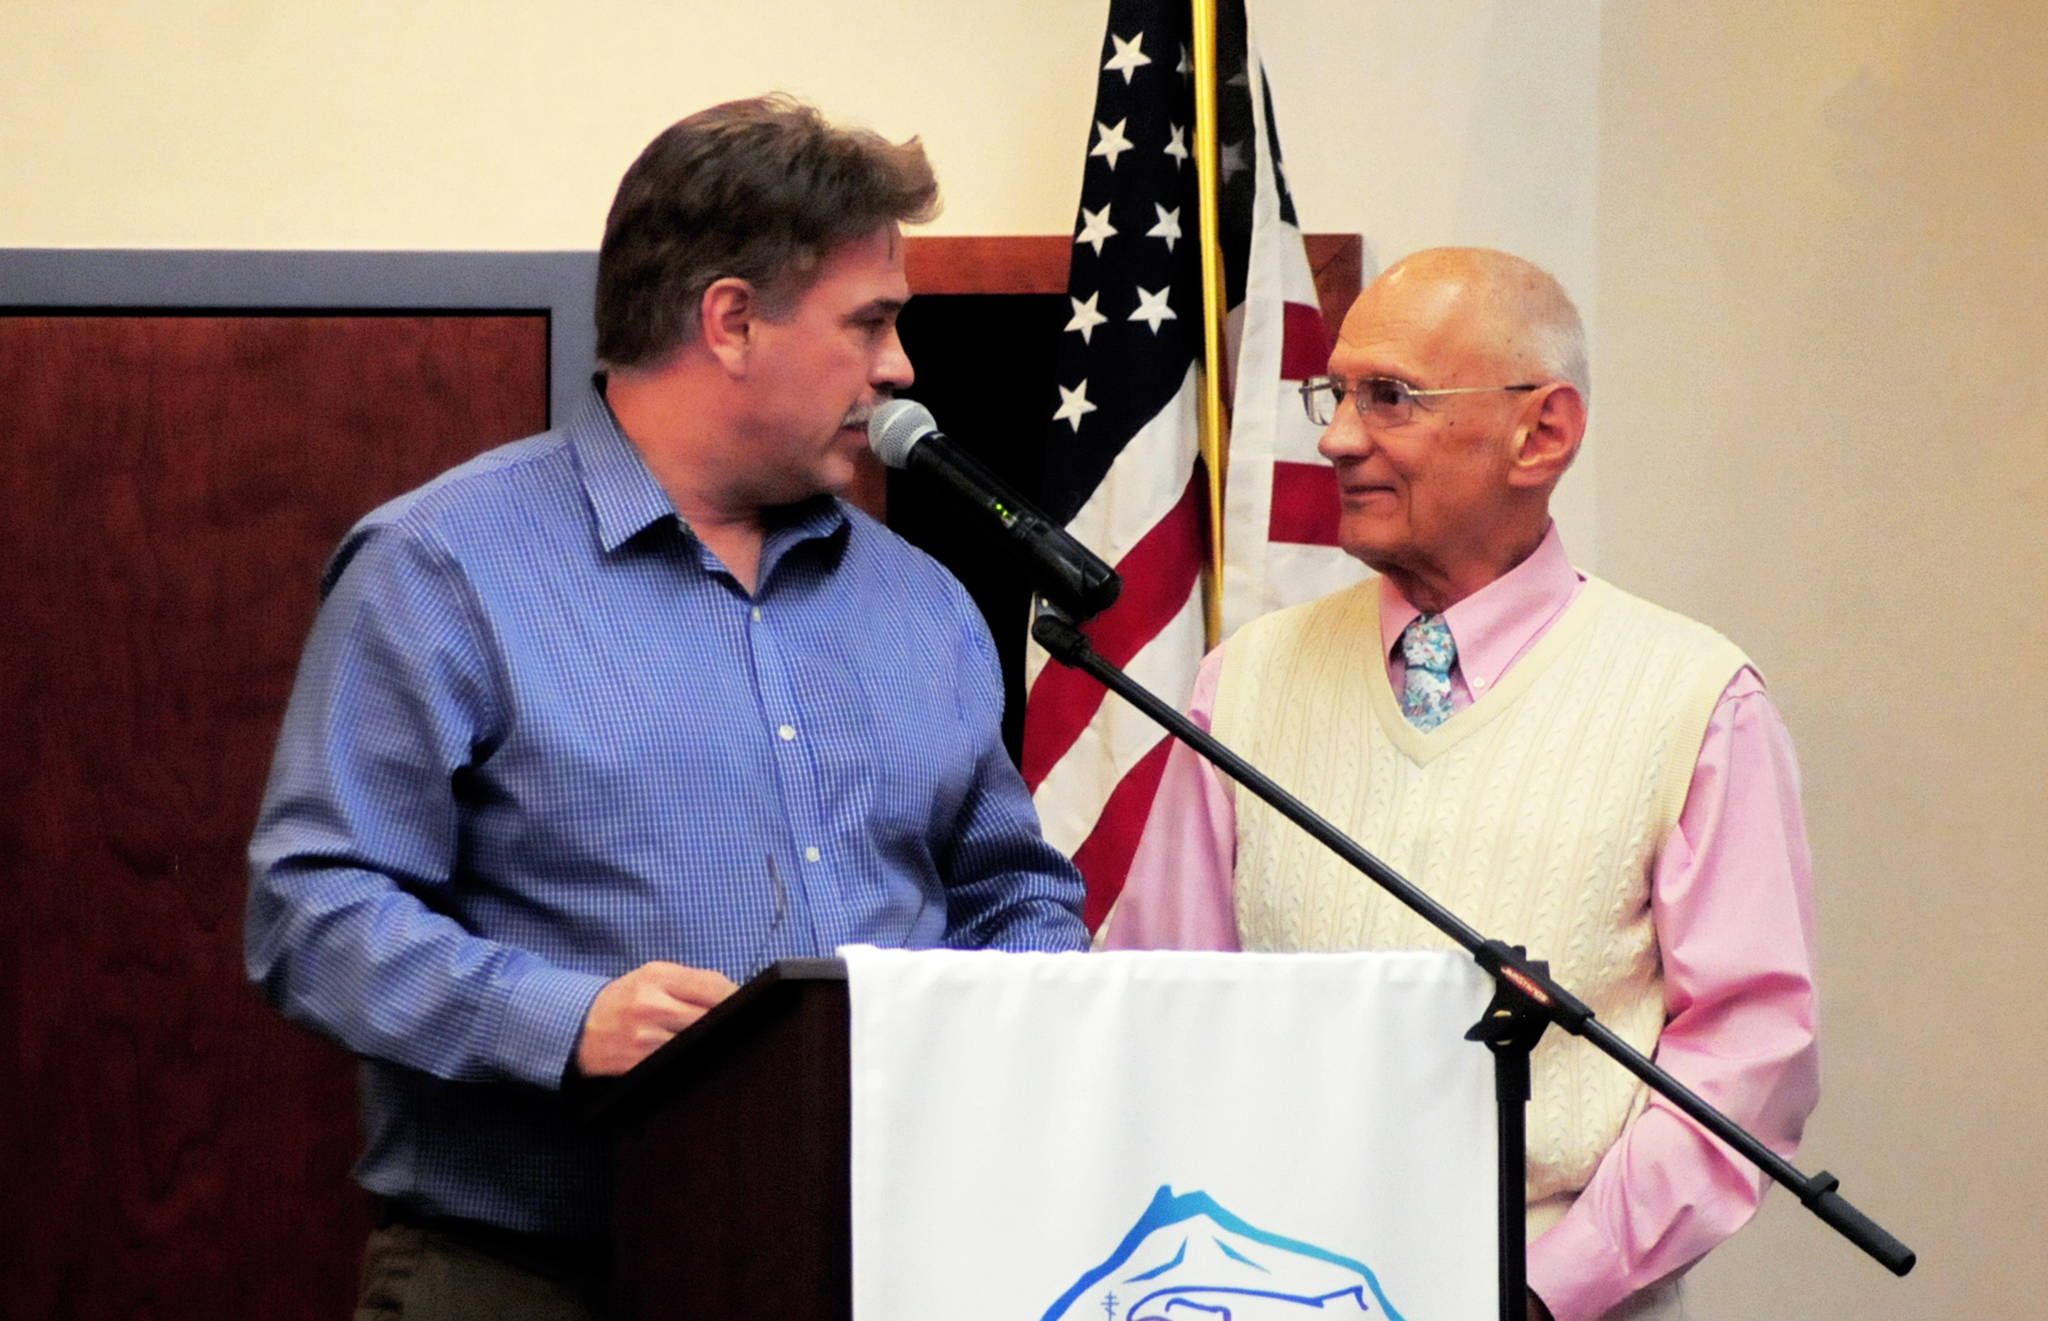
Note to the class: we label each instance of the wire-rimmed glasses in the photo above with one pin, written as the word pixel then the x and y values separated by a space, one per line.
pixel 1384 401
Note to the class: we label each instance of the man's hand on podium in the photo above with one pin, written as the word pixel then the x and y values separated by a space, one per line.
pixel 636 1015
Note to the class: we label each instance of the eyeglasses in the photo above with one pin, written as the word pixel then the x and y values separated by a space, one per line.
pixel 1381 400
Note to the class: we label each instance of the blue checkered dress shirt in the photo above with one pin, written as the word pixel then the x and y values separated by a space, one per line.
pixel 540 736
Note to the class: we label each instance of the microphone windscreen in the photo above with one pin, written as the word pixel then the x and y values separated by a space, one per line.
pixel 896 426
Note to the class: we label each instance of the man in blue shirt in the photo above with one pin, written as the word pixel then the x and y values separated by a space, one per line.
pixel 603 721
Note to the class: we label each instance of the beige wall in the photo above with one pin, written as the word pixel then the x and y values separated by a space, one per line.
pixel 472 125
pixel 1825 301
pixel 1810 240
pixel 445 124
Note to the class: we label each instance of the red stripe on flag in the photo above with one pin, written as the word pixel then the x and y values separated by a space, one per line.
pixel 1105 856
pixel 1159 574
pixel 1304 342
pixel 1304 504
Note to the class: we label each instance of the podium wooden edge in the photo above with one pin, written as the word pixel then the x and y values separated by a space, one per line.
pixel 609 1102
pixel 731 1159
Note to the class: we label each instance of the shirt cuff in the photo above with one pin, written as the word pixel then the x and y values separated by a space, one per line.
pixel 544 1017
pixel 1571 1268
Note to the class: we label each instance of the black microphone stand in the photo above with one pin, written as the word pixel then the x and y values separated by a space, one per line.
pixel 1525 1002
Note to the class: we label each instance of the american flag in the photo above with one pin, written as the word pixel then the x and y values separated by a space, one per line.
pixel 1123 467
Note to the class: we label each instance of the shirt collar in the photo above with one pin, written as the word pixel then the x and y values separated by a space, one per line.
pixel 626 497
pixel 623 494
pixel 1496 624
pixel 820 518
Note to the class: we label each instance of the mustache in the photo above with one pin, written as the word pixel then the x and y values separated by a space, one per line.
pixel 858 415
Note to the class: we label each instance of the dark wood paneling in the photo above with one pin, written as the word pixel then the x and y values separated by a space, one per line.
pixel 172 487
pixel 1337 261
pixel 987 264
pixel 560 285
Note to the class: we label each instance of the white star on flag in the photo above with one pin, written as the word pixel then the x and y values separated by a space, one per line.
pixel 1112 143
pixel 1152 309
pixel 1086 317
pixel 1168 228
pixel 1128 56
pixel 1186 67
pixel 1095 228
pixel 1074 403
pixel 1177 146
pixel 1231 161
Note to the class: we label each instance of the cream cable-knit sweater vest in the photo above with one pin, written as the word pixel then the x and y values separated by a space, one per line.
pixel 1534 814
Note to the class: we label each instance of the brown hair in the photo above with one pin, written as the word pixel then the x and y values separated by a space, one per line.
pixel 760 189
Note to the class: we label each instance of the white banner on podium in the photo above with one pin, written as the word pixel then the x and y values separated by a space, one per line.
pixel 1170 1137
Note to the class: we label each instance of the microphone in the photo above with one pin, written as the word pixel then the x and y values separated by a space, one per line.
pixel 903 434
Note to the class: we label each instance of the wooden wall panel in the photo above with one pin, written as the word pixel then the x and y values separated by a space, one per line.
pixel 172 487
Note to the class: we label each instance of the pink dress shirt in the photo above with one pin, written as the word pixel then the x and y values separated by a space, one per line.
pixel 1731 898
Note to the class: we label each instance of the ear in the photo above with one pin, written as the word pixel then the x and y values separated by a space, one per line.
pixel 726 322
pixel 1546 439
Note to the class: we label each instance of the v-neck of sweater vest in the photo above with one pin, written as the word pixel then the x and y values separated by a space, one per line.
pixel 1421 747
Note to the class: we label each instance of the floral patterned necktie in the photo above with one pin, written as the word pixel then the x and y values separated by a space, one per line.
pixel 1427 647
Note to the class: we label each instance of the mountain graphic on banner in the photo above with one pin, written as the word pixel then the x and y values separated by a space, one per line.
pixel 1189 1259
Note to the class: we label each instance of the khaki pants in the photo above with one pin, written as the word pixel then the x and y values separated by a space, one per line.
pixel 411 1273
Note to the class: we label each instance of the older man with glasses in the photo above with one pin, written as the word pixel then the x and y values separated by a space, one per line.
pixel 1565 765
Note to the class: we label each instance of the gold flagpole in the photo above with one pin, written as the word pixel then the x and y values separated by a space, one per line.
pixel 1212 428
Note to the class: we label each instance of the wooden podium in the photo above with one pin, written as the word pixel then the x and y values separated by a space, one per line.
pixel 732 1148
pixel 731 1159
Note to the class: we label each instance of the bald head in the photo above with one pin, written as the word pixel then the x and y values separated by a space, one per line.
pixel 1446 466
pixel 1495 306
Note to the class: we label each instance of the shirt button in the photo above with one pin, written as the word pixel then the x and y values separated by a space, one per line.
pixel 811 854
pixel 787 732
pixel 757 614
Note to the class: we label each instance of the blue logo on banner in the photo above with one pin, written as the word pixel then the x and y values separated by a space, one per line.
pixel 1188 1259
